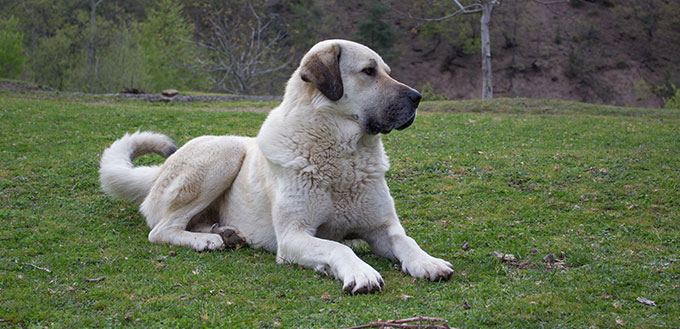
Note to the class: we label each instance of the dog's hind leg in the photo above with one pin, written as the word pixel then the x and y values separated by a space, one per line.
pixel 231 236
pixel 172 230
pixel 190 181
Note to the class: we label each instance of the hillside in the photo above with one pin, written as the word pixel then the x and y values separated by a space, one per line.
pixel 592 53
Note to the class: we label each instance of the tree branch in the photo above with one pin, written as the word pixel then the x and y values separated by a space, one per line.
pixel 241 47
pixel 551 2
pixel 469 9
pixel 402 323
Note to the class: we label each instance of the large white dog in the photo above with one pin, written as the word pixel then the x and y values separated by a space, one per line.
pixel 313 176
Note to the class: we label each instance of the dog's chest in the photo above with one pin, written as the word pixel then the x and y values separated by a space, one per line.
pixel 347 181
pixel 344 172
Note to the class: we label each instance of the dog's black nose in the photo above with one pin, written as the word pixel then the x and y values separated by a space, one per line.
pixel 415 97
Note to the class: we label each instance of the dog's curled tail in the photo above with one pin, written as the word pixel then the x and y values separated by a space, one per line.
pixel 119 178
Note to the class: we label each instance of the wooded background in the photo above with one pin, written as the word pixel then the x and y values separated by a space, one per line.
pixel 623 52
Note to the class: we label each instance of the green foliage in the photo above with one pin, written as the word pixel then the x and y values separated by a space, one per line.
pixel 300 15
pixel 56 61
pixel 584 63
pixel 459 32
pixel 596 186
pixel 122 64
pixel 373 31
pixel 576 3
pixel 12 55
pixel 674 101
pixel 576 65
pixel 430 95
pixel 165 41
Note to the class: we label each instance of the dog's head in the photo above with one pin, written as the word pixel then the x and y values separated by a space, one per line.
pixel 355 82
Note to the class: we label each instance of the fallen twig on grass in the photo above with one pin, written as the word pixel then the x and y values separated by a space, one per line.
pixel 101 278
pixel 402 323
pixel 38 267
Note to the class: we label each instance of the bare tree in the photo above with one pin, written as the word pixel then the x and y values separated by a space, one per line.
pixel 485 7
pixel 240 48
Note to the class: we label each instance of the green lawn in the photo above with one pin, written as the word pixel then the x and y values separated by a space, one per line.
pixel 597 187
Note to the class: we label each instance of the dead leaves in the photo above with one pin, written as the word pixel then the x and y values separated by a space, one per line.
pixel 417 322
pixel 550 260
pixel 511 260
pixel 504 257
pixel 645 301
pixel 405 297
pixel 555 263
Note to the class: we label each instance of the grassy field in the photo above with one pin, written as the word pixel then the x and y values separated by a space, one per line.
pixel 586 198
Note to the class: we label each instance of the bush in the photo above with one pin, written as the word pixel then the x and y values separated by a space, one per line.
pixel 674 101
pixel 430 95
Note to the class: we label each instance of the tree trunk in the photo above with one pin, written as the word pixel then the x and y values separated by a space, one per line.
pixel 93 35
pixel 487 73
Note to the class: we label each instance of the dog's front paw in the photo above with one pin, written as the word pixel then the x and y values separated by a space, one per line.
pixel 364 281
pixel 431 268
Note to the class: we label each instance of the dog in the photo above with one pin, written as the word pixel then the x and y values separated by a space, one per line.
pixel 313 177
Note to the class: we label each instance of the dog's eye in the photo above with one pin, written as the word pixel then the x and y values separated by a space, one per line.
pixel 369 71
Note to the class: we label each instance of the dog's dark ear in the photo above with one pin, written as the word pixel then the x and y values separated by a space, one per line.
pixel 322 69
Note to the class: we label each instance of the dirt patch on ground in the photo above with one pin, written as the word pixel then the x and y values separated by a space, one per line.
pixel 194 98
pixel 20 86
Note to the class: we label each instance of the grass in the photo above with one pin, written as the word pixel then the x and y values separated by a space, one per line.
pixel 596 186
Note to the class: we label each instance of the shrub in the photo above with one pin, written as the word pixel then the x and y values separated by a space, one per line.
pixel 674 101
pixel 430 95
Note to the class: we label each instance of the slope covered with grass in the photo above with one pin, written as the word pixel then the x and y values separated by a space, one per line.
pixel 586 198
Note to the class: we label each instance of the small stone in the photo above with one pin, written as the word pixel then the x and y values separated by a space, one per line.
pixel 465 246
pixel 170 92
pixel 466 306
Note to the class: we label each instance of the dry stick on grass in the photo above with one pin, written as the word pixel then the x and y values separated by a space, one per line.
pixel 38 267
pixel 402 324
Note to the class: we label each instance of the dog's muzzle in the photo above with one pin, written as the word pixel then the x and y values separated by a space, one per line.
pixel 398 117
pixel 408 123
